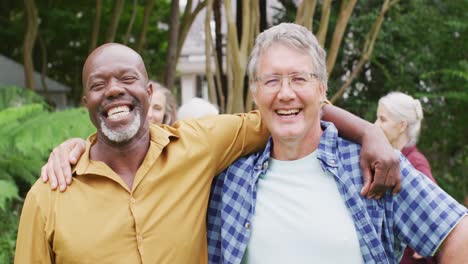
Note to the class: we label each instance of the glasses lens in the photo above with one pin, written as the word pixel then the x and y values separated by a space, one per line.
pixel 297 81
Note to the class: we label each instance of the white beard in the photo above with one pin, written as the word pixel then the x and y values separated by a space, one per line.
pixel 121 136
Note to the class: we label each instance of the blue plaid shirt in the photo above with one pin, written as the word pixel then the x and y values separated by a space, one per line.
pixel 421 215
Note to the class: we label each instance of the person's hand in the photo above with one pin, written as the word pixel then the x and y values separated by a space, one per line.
pixel 58 168
pixel 379 163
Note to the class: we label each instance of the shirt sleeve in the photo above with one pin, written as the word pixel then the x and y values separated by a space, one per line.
pixel 229 137
pixel 422 212
pixel 31 244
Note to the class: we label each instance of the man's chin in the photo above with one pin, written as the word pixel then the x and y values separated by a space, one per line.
pixel 123 134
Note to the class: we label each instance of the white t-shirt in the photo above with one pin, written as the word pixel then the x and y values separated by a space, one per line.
pixel 300 217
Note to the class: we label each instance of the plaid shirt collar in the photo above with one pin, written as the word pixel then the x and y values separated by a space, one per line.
pixel 326 152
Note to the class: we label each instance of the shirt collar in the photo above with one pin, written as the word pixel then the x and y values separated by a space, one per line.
pixel 326 150
pixel 159 135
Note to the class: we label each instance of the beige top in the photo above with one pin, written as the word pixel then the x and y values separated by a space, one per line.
pixel 161 220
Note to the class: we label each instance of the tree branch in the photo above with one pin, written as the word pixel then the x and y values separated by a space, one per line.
pixel 324 20
pixel 346 10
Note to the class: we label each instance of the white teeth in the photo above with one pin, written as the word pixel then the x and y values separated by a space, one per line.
pixel 287 112
pixel 118 112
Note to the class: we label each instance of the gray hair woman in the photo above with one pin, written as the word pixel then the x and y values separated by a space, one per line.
pixel 400 115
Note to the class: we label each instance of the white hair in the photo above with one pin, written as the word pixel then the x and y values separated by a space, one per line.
pixel 195 108
pixel 293 36
pixel 121 136
pixel 403 107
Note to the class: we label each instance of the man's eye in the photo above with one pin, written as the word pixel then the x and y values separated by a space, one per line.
pixel 97 86
pixel 270 82
pixel 298 80
pixel 128 79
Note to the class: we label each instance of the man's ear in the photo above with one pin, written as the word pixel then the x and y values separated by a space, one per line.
pixel 322 92
pixel 150 90
pixel 84 101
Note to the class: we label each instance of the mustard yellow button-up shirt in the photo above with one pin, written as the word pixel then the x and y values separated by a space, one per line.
pixel 161 220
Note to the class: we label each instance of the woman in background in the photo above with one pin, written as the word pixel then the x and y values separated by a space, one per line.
pixel 163 106
pixel 400 115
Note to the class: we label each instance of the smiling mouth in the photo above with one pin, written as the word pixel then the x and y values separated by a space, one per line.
pixel 288 112
pixel 118 112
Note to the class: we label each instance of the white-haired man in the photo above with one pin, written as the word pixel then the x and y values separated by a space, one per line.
pixel 298 200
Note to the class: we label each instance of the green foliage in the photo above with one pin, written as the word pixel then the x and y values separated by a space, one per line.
pixel 8 230
pixel 66 26
pixel 8 191
pixel 31 134
pixel 11 96
pixel 420 52
pixel 28 133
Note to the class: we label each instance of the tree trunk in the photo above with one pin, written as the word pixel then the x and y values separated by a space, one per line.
pixel 114 23
pixel 366 54
pixel 208 51
pixel 346 10
pixel 42 45
pixel 305 13
pixel 96 24
pixel 324 18
pixel 142 38
pixel 186 22
pixel 171 61
pixel 130 24
pixel 238 55
pixel 29 40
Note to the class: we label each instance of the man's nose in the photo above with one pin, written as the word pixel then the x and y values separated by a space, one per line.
pixel 115 89
pixel 286 91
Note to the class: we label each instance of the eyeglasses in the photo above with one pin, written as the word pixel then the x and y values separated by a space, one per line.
pixel 297 81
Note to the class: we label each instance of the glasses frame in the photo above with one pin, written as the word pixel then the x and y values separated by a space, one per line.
pixel 273 89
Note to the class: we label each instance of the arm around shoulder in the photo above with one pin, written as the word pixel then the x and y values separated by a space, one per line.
pixel 233 136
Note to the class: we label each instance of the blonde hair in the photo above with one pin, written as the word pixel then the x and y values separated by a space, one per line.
pixel 403 107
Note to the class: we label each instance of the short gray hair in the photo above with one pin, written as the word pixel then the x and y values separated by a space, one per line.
pixel 294 36
pixel 403 107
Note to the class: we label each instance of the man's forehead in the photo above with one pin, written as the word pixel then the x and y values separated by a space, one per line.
pixel 113 57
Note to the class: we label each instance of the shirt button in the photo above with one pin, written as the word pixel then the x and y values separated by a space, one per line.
pixel 247 225
pixel 332 162
pixel 132 200
pixel 139 238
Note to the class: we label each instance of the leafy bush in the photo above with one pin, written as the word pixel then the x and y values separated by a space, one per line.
pixel 29 130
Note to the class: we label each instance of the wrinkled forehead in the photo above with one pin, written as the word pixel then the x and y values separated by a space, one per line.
pixel 113 57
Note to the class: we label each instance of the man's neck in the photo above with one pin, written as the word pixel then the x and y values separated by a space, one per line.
pixel 293 149
pixel 123 158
